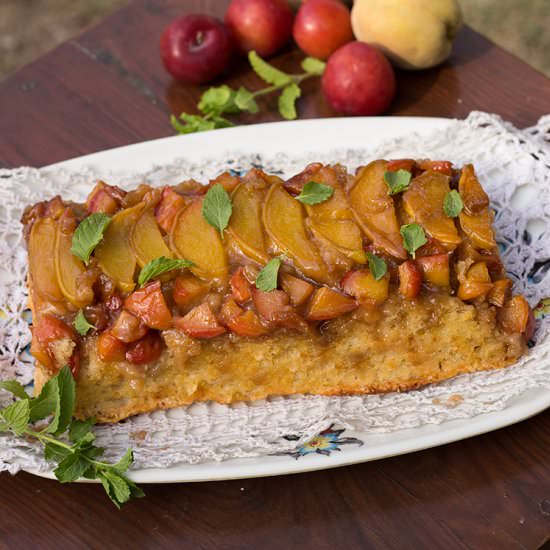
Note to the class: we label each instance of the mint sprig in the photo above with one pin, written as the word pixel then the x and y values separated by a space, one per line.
pixel 397 181
pixel 218 101
pixel 75 454
pixel 377 266
pixel 453 205
pixel 81 324
pixel 413 237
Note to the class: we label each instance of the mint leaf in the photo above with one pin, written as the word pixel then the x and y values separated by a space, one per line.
pixel 80 428
pixel 64 407
pixel 191 123
pixel 267 72
pixel 161 265
pixel 315 193
pixel 81 324
pixel 245 101
pixel 116 486
pixel 15 417
pixel 287 101
pixel 312 65
pixel 55 453
pixel 377 266
pixel 397 181
pixel 71 468
pixel 124 463
pixel 453 205
pixel 267 278
pixel 14 387
pixel 217 100
pixel 89 234
pixel 217 207
pixel 413 237
pixel 46 403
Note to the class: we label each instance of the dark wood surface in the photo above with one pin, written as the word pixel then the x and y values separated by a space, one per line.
pixel 107 88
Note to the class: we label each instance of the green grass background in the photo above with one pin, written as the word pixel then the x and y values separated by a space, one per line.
pixel 29 28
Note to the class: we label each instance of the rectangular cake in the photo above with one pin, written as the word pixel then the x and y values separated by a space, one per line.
pixel 328 283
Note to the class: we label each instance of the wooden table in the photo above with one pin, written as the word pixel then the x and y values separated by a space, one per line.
pixel 107 88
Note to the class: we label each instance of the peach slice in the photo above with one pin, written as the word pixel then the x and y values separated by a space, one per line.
pixel 114 254
pixel 246 225
pixel 423 202
pixel 479 228
pixel 344 235
pixel 374 209
pixel 329 304
pixel 283 219
pixel 68 268
pixel 477 282
pixel 500 293
pixel 194 239
pixel 42 240
pixel 188 289
pixel 516 316
pixel 474 197
pixel 146 239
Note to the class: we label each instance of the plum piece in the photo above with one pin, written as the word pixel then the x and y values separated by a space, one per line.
pixel 328 304
pixel 435 269
pixel 283 218
pixel 298 289
pixel 165 211
pixel 423 202
pixel 375 210
pixel 243 323
pixel 516 316
pixel 114 253
pixel 149 305
pixel 188 289
pixel 194 239
pixel 500 293
pixel 109 348
pixel 410 279
pixel 362 285
pixel 245 224
pixel 477 282
pixel 200 322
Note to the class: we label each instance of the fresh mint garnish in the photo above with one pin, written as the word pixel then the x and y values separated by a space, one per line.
pixel 377 266
pixel 161 265
pixel 397 181
pixel 217 207
pixel 413 237
pixel 88 235
pixel 453 205
pixel 267 278
pixel 315 193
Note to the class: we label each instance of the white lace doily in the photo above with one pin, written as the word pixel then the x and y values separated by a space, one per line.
pixel 514 167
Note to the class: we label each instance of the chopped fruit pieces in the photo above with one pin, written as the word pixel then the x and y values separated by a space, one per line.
pixel 188 290
pixel 165 211
pixel 114 253
pixel 148 304
pixel 54 344
pixel 146 350
pixel 195 240
pixel 104 198
pixel 274 307
pixel 200 322
pixel 435 269
pixel 375 209
pixel 401 164
pixel 516 315
pixel 110 348
pixel 128 328
pixel 423 203
pixel 242 323
pixel 283 218
pixel 328 304
pixel 228 181
pixel 245 224
pixel 365 288
pixel 441 166
pixel 476 283
pixel 240 287
pixel 474 197
pixel 146 239
pixel 298 289
pixel 500 293
pixel 410 279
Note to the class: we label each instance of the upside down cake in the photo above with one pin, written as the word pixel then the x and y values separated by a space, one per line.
pixel 325 283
